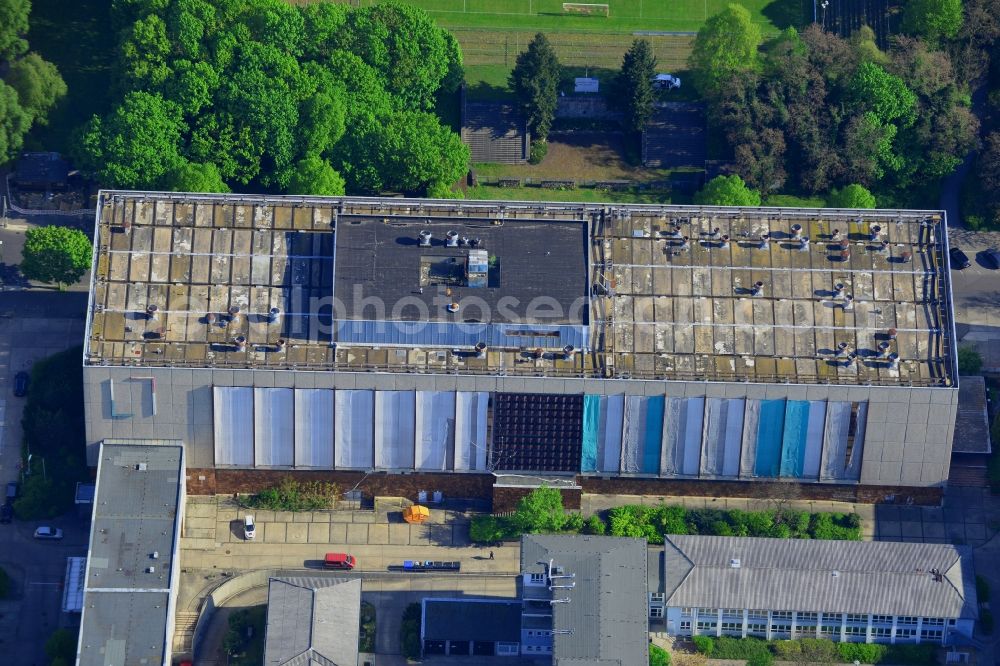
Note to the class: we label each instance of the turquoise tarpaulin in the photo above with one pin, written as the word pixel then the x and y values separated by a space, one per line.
pixel 793 444
pixel 770 427
pixel 653 435
pixel 591 426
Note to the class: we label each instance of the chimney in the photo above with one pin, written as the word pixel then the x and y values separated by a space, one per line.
pixel 425 238
pixel 796 231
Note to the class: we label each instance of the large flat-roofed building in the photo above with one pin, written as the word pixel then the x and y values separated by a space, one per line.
pixel 132 562
pixel 628 348
pixel 872 591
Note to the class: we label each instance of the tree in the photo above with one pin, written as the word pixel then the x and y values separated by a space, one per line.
pixel 933 19
pixel 315 176
pixel 969 361
pixel 13 24
pixel 195 177
pixel 658 656
pixel 14 123
pixel 727 191
pixel 725 45
pixel 852 196
pixel 886 95
pixel 541 510
pixel 55 254
pixel 61 647
pixel 38 85
pixel 535 81
pixel 634 84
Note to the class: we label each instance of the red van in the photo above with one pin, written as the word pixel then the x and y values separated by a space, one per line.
pixel 339 561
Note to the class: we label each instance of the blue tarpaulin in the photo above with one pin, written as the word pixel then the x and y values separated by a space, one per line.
pixel 591 428
pixel 770 427
pixel 793 445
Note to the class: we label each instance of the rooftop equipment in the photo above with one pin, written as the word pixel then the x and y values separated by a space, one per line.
pixel 477 268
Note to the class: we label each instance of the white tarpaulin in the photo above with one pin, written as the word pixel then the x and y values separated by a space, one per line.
pixel 435 430
pixel 723 435
pixel 273 416
pixel 314 428
pixel 354 415
pixel 394 423
pixel 233 407
pixel 471 446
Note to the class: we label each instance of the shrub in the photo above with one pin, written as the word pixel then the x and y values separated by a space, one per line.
pixel 595 525
pixel 409 632
pixel 727 647
pixel 704 645
pixel 541 510
pixel 969 361
pixel 627 521
pixel 291 495
pixel 574 522
pixel 539 149
pixel 489 529
pixel 866 653
pixel 658 656
pixel 760 659
pixel 918 655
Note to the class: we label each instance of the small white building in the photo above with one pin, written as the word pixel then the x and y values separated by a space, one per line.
pixel 871 592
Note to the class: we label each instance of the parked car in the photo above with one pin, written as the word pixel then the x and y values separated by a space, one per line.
pixel 666 81
pixel 11 492
pixel 991 258
pixel 339 561
pixel 6 513
pixel 959 259
pixel 46 532
pixel 249 528
pixel 21 381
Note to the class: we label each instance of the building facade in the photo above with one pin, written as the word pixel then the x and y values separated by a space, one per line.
pixel 867 592
pixel 648 347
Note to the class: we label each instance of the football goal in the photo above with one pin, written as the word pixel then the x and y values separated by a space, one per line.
pixel 587 9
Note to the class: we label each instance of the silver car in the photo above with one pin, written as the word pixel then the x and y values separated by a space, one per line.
pixel 46 532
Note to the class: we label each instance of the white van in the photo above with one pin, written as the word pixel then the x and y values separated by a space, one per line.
pixel 249 529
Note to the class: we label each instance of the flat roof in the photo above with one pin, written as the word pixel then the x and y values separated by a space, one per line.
pixel 600 614
pixel 972 427
pixel 486 619
pixel 644 292
pixel 813 575
pixel 127 607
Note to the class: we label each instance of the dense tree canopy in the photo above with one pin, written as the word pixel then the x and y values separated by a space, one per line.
pixel 822 112
pixel 727 191
pixel 262 94
pixel 726 45
pixel 933 19
pixel 535 81
pixel 634 84
pixel 29 87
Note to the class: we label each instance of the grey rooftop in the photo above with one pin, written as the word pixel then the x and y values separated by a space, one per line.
pixel 878 577
pixel 312 620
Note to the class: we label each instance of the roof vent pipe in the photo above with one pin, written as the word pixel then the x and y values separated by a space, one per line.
pixel 241 342
pixel 280 345
pixel 765 241
pixel 151 311
pixel 725 242
pixel 480 350
pixel 842 349
pixel 894 361
pixel 804 243
pixel 210 318
pixel 451 239
pixel 568 352
pixel 452 307
pixel 757 289
pixel 891 333
pixel 425 238
pixel 273 315
pixel 874 232
pixel 883 349
pixel 835 236
pixel 906 256
pixel 715 232
pixel 234 313
pixel 676 231
pixel 848 303
pixel 796 231
pixel 884 248
pixel 838 290
pixel 685 243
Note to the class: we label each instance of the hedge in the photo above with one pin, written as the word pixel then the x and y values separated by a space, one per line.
pixel 812 650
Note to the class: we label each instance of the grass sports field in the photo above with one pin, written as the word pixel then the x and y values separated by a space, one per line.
pixel 493 32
